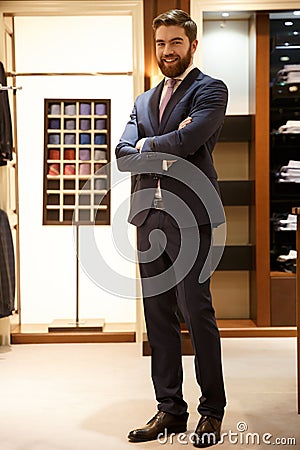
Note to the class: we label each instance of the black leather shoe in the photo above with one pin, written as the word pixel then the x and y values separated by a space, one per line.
pixel 162 422
pixel 208 432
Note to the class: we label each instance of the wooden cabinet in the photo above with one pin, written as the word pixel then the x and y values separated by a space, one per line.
pixel 76 162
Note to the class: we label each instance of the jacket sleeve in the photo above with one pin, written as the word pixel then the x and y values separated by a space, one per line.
pixel 207 114
pixel 129 159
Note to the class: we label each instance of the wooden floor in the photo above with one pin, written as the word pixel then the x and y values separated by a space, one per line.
pixel 39 334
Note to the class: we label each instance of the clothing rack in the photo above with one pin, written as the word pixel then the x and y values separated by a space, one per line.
pixel 6 88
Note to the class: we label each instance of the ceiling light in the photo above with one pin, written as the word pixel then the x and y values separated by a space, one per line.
pixel 296 13
pixel 295 33
pixel 225 14
pixel 284 58
pixel 288 23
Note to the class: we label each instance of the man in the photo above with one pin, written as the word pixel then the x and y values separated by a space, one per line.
pixel 171 134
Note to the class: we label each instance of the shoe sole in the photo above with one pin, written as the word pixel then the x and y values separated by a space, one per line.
pixel 169 431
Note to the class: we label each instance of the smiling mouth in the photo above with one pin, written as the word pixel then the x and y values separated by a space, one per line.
pixel 170 60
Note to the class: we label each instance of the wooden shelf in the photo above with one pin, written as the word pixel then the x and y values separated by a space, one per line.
pixel 231 329
pixel 38 334
pixel 236 129
pixel 237 193
pixel 277 274
pixel 237 257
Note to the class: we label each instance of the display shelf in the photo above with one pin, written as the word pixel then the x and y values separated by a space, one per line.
pixel 284 147
pixel 240 192
pixel 236 192
pixel 237 128
pixel 237 257
pixel 76 161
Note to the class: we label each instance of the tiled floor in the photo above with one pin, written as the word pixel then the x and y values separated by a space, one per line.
pixel 88 396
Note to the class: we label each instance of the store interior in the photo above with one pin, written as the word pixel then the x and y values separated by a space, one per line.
pixel 73 70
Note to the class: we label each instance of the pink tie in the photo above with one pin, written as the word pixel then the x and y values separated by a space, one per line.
pixel 170 83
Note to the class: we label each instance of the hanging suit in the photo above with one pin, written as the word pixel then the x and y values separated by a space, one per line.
pixel 7 267
pixel 6 142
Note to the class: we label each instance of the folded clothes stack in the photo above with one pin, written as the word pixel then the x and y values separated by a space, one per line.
pixel 85 154
pixel 288 224
pixel 69 139
pixel 70 109
pixel 53 169
pixel 287 263
pixel 290 173
pixel 100 109
pixel 291 126
pixel 69 153
pixel 84 169
pixel 53 139
pixel 289 74
pixel 85 124
pixel 70 124
pixel 100 184
pixel 54 154
pixel 85 109
pixel 100 155
pixel 69 169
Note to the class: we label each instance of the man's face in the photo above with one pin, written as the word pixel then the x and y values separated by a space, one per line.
pixel 174 52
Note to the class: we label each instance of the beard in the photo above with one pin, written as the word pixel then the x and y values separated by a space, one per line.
pixel 177 69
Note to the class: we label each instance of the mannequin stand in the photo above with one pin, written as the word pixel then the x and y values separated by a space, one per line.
pixel 69 325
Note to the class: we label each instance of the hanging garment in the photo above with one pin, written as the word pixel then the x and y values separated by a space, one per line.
pixel 7 267
pixel 6 143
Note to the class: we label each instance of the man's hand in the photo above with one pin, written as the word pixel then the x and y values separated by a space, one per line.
pixel 184 123
pixel 140 144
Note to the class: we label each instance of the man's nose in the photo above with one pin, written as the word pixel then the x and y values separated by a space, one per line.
pixel 168 49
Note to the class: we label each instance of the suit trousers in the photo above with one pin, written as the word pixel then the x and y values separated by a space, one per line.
pixel 159 242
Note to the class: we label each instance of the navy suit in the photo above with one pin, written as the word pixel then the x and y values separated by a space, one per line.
pixel 204 99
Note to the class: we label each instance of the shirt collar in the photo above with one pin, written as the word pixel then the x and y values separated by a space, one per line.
pixel 184 74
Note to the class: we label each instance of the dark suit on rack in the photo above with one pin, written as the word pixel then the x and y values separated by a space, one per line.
pixel 7 267
pixel 6 144
pixel 204 99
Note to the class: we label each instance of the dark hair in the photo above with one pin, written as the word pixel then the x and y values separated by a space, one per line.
pixel 177 17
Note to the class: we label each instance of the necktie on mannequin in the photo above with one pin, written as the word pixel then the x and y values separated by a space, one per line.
pixel 170 87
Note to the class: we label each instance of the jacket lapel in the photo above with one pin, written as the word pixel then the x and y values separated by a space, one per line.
pixel 154 106
pixel 177 96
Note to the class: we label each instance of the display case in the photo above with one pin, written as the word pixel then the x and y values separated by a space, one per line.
pixel 76 162
pixel 284 167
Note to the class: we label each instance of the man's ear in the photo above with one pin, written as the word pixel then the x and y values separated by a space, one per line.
pixel 194 46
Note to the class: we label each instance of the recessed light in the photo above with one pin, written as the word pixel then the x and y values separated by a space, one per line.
pixel 288 23
pixel 296 13
pixel 284 58
pixel 225 14
pixel 286 44
pixel 295 33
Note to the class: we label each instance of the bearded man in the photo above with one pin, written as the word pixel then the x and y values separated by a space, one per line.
pixel 171 135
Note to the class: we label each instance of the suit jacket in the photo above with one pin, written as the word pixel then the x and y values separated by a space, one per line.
pixel 7 267
pixel 193 175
